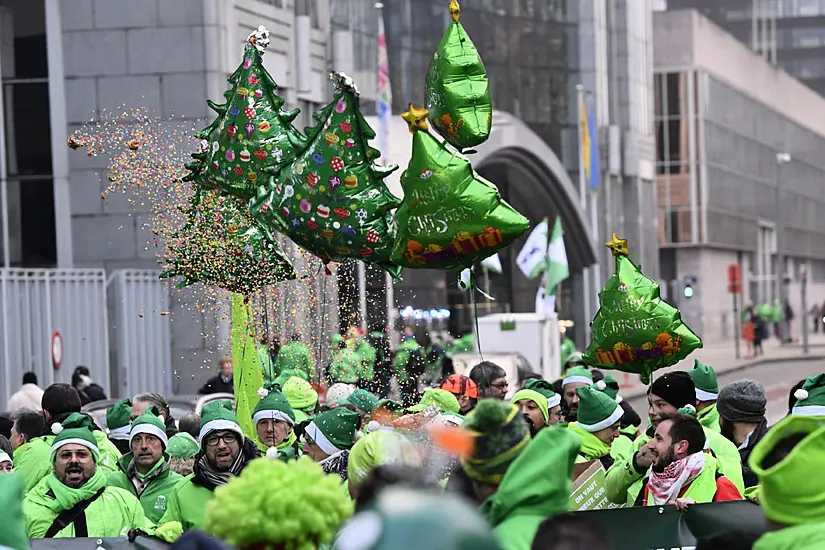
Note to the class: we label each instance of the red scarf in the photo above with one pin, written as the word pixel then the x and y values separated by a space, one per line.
pixel 666 486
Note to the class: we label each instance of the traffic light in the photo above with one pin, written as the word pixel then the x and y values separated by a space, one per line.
pixel 688 290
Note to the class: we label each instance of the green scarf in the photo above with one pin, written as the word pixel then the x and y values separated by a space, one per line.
pixel 66 497
pixel 592 448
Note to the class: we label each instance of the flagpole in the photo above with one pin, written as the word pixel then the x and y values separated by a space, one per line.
pixel 594 205
pixel 583 204
pixel 383 105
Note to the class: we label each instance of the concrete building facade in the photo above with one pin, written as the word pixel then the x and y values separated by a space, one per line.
pixel 739 172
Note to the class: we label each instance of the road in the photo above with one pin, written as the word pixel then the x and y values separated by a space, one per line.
pixel 778 378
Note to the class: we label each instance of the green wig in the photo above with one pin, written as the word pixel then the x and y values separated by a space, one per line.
pixel 291 505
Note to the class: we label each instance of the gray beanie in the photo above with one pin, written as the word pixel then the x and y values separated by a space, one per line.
pixel 742 401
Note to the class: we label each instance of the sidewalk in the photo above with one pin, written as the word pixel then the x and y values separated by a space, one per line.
pixel 722 357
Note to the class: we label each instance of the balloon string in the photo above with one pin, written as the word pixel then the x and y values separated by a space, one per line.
pixel 475 320
pixel 485 295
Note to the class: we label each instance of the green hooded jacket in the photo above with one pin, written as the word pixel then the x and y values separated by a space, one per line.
pixel 112 514
pixel 536 486
pixel 297 357
pixel 155 496
pixel 809 536
pixel 32 460
pixel 709 418
pixel 402 358
pixel 187 504
pixel 623 482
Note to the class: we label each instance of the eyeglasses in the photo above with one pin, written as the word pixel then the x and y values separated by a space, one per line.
pixel 227 438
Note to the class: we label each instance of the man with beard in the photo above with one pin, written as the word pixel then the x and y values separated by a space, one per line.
pixel 741 406
pixel 74 501
pixel 574 378
pixel 681 472
pixel 329 438
pixel 598 425
pixel 539 404
pixel 224 453
pixel 667 394
pixel 144 471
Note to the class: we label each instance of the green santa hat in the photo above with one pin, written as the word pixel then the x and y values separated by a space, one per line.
pixel 597 410
pixel 149 423
pixel 577 375
pixel 609 386
pixel 545 388
pixel 76 429
pixel 273 405
pixel 811 397
pixel 182 446
pixel 362 400
pixel 218 416
pixel 335 430
pixel 704 378
pixel 118 417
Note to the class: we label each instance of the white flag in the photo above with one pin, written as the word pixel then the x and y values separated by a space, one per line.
pixel 557 268
pixel 493 263
pixel 533 256
pixel 545 303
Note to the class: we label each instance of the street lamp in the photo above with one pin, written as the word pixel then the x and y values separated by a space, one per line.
pixel 781 158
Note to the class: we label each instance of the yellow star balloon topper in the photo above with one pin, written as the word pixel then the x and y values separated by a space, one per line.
pixel 416 119
pixel 455 10
pixel 617 246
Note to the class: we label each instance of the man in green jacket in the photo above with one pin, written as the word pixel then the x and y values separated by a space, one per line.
pixel 539 404
pixel 76 481
pixel 788 462
pixel 144 471
pixel 59 401
pixel 598 425
pixel 274 422
pixel 520 483
pixel 224 453
pixel 707 391
pixel 668 393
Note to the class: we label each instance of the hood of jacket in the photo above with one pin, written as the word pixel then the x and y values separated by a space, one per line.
pixel 810 536
pixel 592 448
pixel 709 418
pixel 537 483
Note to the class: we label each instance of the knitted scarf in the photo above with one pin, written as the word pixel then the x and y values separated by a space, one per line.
pixel 214 478
pixel 65 497
pixel 666 486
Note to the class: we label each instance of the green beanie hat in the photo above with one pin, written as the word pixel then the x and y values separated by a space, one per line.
pixel 300 394
pixel 500 434
pixel 76 429
pixel 441 521
pixel 442 399
pixel 13 535
pixel 118 417
pixel 273 405
pixel 704 378
pixel 793 491
pixel 546 389
pixel 609 386
pixel 335 430
pixel 218 416
pixel 149 423
pixel 182 446
pixel 380 448
pixel 535 397
pixel 811 397
pixel 597 410
pixel 577 375
pixel 363 400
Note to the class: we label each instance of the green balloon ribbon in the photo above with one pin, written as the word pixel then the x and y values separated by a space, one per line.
pixel 635 330
pixel 221 245
pixel 252 136
pixel 332 200
pixel 451 217
pixel 458 91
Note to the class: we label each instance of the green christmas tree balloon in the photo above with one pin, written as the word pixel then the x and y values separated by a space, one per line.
pixel 221 245
pixel 332 200
pixel 635 330
pixel 251 136
pixel 451 217
pixel 458 92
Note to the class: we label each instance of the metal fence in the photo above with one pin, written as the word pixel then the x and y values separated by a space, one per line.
pixel 141 334
pixel 36 303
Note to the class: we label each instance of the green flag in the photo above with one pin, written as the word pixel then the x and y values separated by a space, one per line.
pixel 557 269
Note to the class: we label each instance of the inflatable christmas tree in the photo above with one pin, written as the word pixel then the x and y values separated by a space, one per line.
pixel 635 330
pixel 220 245
pixel 332 200
pixel 458 92
pixel 451 217
pixel 252 136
